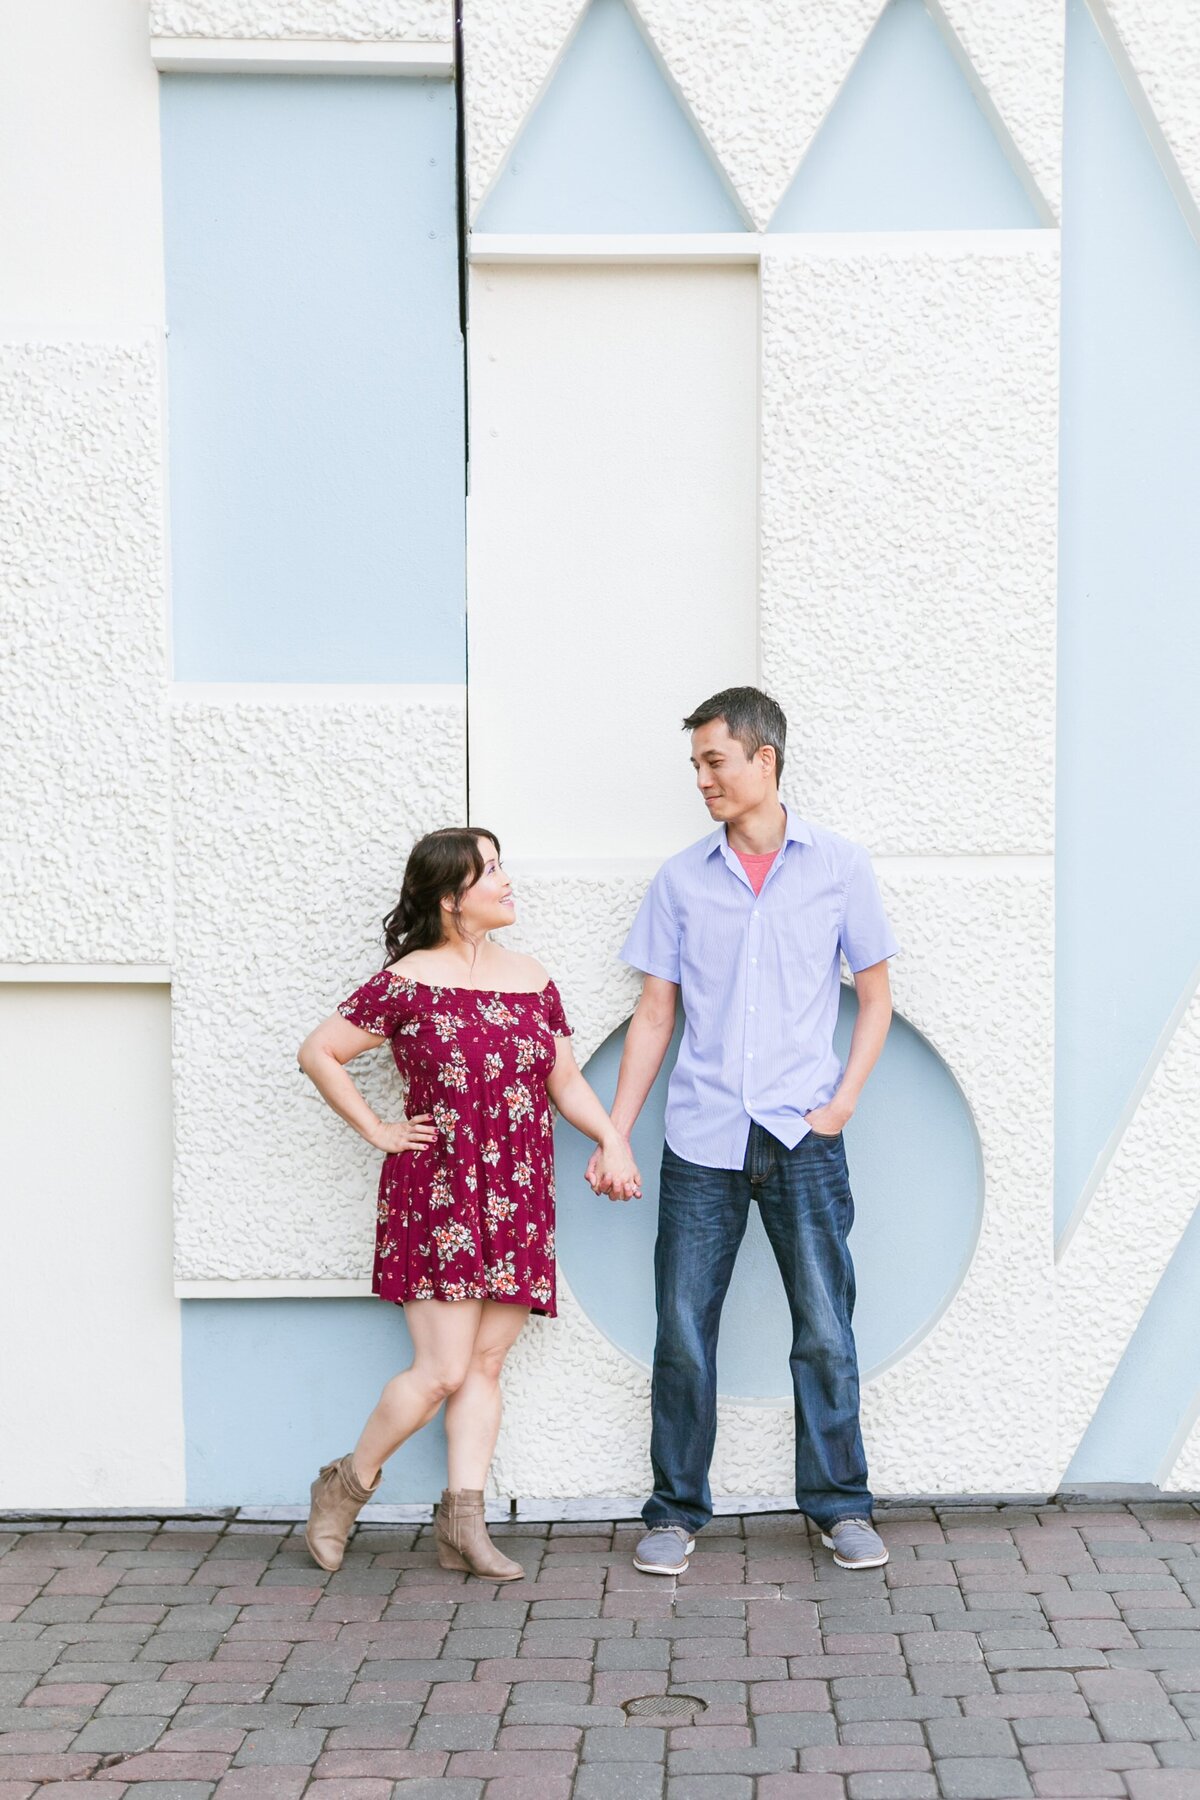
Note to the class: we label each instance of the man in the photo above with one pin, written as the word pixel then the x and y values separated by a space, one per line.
pixel 750 925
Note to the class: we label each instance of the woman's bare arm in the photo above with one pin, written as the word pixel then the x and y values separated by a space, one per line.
pixel 323 1057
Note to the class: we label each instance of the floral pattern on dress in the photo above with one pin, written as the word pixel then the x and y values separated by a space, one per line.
pixel 471 1216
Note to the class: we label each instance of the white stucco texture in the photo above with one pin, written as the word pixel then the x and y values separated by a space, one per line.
pixel 293 819
pixel 909 528
pixel 385 21
pixel 760 76
pixel 1015 50
pixel 1161 41
pixel 84 801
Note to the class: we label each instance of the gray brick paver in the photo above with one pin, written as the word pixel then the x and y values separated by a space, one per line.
pixel 982 1778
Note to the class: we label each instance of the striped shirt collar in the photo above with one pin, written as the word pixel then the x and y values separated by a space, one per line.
pixel 795 831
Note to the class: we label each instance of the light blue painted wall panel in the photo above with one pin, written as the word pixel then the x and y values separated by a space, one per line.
pixel 274 1388
pixel 1128 852
pixel 1149 1401
pixel 916 1174
pixel 609 147
pixel 315 379
pixel 906 146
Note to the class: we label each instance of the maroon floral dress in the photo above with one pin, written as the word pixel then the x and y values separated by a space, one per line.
pixel 470 1217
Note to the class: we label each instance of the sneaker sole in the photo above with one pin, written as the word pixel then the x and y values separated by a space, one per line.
pixel 662 1568
pixel 865 1562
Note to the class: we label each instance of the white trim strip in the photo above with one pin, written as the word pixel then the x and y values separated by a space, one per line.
pixel 598 247
pixel 495 247
pixel 317 693
pixel 157 973
pixel 227 1289
pixel 299 56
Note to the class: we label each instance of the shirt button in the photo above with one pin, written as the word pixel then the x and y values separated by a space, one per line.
pixel 749 1056
pixel 754 1009
pixel 754 961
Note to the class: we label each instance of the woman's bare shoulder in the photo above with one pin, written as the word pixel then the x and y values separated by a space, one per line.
pixel 522 971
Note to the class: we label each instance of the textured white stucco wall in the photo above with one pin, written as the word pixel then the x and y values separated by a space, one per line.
pixel 1158 49
pixel 909 525
pixel 84 806
pixel 760 76
pixel 294 814
pixel 418 21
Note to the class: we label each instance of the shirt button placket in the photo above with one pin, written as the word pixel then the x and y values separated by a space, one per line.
pixel 751 1001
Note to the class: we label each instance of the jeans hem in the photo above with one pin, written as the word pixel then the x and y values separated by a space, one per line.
pixel 843 1512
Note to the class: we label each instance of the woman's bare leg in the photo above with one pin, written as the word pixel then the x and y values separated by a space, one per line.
pixel 473 1410
pixel 444 1335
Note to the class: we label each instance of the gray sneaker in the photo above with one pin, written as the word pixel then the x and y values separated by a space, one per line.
pixel 855 1544
pixel 664 1550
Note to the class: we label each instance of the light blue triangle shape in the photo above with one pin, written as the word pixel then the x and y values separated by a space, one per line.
pixel 907 146
pixel 1127 868
pixel 609 148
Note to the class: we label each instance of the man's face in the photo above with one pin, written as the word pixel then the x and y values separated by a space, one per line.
pixel 731 784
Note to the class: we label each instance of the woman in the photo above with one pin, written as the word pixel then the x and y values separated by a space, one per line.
pixel 465 1222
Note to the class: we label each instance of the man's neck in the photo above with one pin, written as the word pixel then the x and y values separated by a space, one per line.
pixel 760 832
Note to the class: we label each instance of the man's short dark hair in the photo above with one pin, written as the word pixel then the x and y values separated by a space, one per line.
pixel 750 716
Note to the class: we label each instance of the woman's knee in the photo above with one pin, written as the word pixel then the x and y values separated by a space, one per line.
pixel 488 1360
pixel 435 1381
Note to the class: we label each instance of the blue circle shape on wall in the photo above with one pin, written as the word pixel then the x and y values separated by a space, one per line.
pixel 917 1179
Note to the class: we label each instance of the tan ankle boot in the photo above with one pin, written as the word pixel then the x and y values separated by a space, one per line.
pixel 463 1541
pixel 338 1496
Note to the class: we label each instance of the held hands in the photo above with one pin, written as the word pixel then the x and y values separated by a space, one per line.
pixel 405 1134
pixel 612 1171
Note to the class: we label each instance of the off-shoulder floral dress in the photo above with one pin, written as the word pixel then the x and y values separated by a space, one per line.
pixel 471 1217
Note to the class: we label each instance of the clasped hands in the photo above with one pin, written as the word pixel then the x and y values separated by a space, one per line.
pixel 611 1170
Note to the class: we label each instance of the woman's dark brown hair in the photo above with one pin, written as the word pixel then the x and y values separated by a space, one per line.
pixel 440 863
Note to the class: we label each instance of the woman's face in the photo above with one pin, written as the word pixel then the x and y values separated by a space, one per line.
pixel 488 904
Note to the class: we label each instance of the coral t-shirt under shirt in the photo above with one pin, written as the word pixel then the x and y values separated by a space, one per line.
pixel 756 868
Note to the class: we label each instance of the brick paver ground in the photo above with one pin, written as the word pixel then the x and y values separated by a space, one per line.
pixel 1004 1651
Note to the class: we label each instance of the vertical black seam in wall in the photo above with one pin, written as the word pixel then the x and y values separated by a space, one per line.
pixel 460 187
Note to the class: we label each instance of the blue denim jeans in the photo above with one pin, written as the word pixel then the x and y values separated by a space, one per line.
pixel 807 1210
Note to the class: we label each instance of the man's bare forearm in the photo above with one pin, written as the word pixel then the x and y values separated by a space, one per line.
pixel 870 1033
pixel 646 1044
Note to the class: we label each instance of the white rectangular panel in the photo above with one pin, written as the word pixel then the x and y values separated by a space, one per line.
pixel 90 1390
pixel 612 559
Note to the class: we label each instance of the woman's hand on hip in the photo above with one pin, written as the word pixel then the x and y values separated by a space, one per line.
pixel 406 1134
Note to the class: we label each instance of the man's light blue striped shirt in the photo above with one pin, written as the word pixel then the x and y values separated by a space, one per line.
pixel 759 981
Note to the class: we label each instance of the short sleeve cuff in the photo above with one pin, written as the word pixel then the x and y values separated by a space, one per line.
pixel 646 965
pixel 866 958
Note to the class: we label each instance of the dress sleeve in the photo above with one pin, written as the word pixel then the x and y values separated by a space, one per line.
pixel 556 1018
pixel 380 1005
